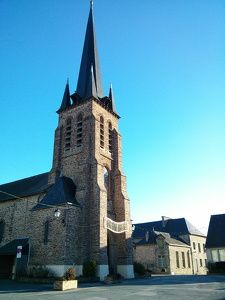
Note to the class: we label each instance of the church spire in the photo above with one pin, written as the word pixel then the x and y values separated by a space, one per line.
pixel 112 104
pixel 90 60
pixel 66 97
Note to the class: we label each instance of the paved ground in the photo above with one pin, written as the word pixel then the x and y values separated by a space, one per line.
pixel 155 287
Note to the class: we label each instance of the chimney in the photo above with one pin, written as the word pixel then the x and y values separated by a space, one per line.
pixel 165 220
pixel 147 236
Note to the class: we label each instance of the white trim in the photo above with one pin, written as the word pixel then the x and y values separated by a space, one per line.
pixel 102 271
pixel 116 227
pixel 127 271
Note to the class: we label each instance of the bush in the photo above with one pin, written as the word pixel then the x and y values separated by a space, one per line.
pixel 37 272
pixel 139 268
pixel 70 273
pixel 89 268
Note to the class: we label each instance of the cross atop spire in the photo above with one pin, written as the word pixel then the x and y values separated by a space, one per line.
pixel 89 59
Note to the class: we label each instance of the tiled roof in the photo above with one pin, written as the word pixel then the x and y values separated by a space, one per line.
pixel 173 226
pixel 216 232
pixel 24 187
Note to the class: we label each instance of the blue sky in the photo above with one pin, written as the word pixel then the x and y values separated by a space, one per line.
pixel 166 62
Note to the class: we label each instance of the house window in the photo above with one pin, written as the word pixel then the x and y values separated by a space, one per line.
pixel 2 227
pixel 183 259
pixel 200 262
pixel 160 243
pixel 188 259
pixel 101 132
pixel 177 259
pixel 199 247
pixel 194 247
pixel 110 137
pixel 68 134
pixel 162 261
pixel 203 247
pixel 222 254
pixel 79 129
pixel 215 256
pixel 46 232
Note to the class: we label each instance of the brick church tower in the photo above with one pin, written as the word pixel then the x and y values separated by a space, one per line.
pixel 87 150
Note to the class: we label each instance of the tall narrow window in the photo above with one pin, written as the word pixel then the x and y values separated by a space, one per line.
pixel 194 245
pixel 2 227
pixel 46 232
pixel 101 132
pixel 177 259
pixel 162 261
pixel 183 259
pixel 199 247
pixel 79 129
pixel 107 181
pixel 188 259
pixel 110 137
pixel 68 134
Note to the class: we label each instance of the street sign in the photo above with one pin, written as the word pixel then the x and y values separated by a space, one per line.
pixel 19 251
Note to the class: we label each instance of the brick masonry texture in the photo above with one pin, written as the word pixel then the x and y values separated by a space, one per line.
pixel 78 233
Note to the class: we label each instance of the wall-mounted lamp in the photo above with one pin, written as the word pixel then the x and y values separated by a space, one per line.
pixel 57 213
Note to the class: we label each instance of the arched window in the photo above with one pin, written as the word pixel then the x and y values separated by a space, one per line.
pixel 79 129
pixel 110 137
pixel 46 232
pixel 101 132
pixel 107 181
pixel 68 134
pixel 2 228
pixel 106 178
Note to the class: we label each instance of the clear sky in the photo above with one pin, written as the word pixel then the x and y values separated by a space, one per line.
pixel 166 61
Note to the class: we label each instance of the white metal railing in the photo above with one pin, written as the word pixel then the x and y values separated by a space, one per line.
pixel 117 227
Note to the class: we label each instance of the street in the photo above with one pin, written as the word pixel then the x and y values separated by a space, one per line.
pixel 155 287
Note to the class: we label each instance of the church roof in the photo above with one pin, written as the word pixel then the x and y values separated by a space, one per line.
pixel 24 187
pixel 173 226
pixel 216 232
pixel 11 247
pixel 62 192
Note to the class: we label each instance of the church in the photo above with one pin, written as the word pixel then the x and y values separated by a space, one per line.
pixel 79 210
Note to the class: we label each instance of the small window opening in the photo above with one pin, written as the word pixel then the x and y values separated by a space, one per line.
pixel 79 129
pixel 110 137
pixel 68 134
pixel 101 132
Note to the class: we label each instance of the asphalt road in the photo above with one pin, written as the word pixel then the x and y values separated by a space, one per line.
pixel 156 287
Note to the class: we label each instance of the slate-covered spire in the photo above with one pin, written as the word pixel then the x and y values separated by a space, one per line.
pixel 111 97
pixel 89 59
pixel 91 87
pixel 66 97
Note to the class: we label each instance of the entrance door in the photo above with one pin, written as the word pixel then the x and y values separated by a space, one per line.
pixel 6 266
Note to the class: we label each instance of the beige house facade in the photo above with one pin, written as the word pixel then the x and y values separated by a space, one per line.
pixel 170 246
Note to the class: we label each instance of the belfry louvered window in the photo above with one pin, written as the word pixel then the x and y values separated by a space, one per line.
pixel 68 134
pixel 101 132
pixel 79 129
pixel 110 137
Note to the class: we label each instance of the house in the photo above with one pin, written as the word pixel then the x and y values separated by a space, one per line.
pixel 215 241
pixel 79 210
pixel 170 246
